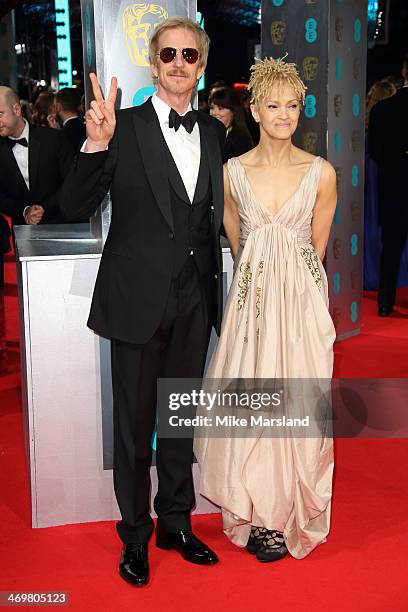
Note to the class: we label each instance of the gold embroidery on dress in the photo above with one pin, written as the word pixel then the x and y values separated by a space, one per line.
pixel 259 290
pixel 245 276
pixel 312 262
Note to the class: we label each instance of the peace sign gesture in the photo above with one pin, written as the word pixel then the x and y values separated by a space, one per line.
pixel 100 119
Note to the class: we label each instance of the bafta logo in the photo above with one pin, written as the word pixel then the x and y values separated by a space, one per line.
pixel 310 66
pixel 356 68
pixel 338 178
pixel 139 20
pixel 338 104
pixel 309 140
pixel 355 141
pixel 339 27
pixel 310 1
pixel 354 210
pixel 336 316
pixel 354 279
pixel 278 31
pixel 336 248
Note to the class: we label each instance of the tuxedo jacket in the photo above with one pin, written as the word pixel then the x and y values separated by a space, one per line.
pixel 50 158
pixel 136 267
pixel 388 146
pixel 75 131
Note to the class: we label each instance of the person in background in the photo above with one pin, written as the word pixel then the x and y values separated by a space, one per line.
pixel 67 103
pixel 388 146
pixel 216 85
pixel 44 113
pixel 253 126
pixel 26 110
pixel 225 105
pixel 379 91
pixel 34 162
pixel 372 233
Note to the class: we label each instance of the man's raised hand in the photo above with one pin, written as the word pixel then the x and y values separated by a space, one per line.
pixel 100 119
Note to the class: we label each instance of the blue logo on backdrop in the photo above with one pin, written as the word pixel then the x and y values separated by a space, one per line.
pixel 354 244
pixel 339 68
pixel 354 311
pixel 354 175
pixel 142 94
pixel 310 106
pixel 336 282
pixel 337 141
pixel 336 218
pixel 88 35
pixel 357 30
pixel 311 30
pixel 356 105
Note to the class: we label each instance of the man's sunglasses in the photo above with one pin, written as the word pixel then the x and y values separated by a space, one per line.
pixel 167 54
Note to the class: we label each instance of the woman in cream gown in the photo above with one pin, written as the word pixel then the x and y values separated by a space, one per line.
pixel 274 492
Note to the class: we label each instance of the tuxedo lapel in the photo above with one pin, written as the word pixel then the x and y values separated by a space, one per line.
pixel 212 147
pixel 174 176
pixel 11 169
pixel 34 147
pixel 203 174
pixel 150 139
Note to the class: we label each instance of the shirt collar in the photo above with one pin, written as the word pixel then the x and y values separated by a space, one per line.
pixel 163 109
pixel 69 119
pixel 24 133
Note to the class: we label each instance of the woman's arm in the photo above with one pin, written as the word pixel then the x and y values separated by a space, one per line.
pixel 324 209
pixel 231 216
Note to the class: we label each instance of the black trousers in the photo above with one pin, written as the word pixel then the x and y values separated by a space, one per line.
pixel 177 350
pixel 393 241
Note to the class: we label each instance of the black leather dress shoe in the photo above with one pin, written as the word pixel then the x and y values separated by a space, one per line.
pixel 186 543
pixel 134 564
pixel 385 311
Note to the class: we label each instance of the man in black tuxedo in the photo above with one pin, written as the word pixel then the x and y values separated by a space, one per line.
pixel 158 290
pixel 34 162
pixel 67 101
pixel 388 146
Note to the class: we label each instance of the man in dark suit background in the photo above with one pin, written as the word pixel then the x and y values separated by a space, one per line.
pixel 388 146
pixel 67 101
pixel 34 162
pixel 158 290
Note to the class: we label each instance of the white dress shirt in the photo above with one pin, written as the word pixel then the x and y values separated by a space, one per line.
pixel 184 147
pixel 21 154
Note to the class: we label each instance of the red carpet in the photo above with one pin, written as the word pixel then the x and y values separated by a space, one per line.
pixel 362 566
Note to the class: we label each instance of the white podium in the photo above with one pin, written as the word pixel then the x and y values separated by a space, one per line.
pixel 66 378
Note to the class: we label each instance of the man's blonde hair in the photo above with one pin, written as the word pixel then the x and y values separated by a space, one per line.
pixel 180 22
pixel 268 72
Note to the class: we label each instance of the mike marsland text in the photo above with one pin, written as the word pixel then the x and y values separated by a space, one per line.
pixel 255 420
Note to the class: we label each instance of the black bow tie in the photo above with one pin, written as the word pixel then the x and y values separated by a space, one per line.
pixel 22 141
pixel 188 120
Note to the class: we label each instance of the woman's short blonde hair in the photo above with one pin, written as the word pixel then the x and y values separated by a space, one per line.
pixel 268 72
pixel 203 41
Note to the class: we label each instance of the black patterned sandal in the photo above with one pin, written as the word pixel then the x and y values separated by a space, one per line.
pixel 272 548
pixel 256 538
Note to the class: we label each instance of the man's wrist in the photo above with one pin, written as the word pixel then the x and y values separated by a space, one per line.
pixel 95 146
